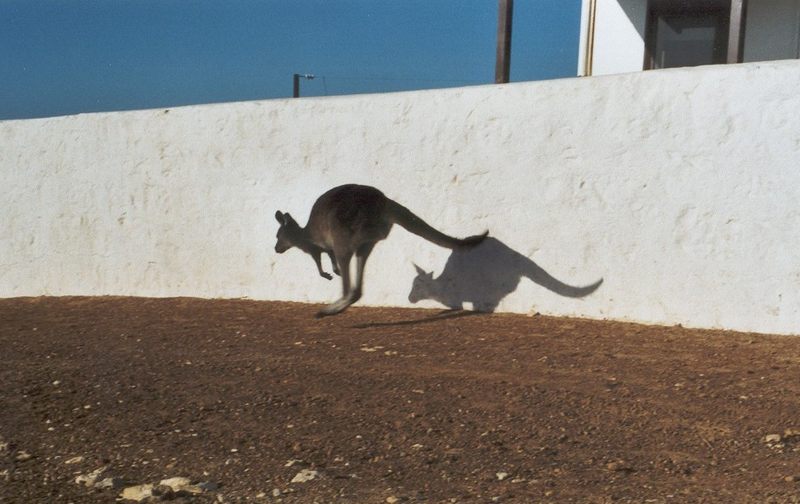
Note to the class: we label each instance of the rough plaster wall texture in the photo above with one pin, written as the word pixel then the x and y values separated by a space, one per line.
pixel 678 187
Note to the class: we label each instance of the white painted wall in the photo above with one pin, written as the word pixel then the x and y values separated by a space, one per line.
pixel 678 187
pixel 619 36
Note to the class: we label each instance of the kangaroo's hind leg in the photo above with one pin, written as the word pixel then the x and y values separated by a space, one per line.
pixel 350 294
pixel 362 254
pixel 343 302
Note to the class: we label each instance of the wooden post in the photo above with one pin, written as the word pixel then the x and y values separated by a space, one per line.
pixel 736 31
pixel 589 61
pixel 503 66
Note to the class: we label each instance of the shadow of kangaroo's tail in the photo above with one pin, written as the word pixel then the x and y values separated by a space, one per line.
pixel 540 276
pixel 406 218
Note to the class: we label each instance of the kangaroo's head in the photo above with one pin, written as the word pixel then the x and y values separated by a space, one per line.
pixel 422 286
pixel 289 234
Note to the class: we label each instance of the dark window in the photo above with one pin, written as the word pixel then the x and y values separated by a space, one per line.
pixel 681 33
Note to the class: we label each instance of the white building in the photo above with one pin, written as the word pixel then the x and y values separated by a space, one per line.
pixel 630 35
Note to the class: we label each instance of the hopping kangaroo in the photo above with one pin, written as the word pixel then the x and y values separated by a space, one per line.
pixel 348 220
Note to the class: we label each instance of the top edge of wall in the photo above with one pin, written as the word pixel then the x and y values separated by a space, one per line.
pixel 583 80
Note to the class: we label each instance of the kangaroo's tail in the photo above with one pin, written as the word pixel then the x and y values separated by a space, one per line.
pixel 406 218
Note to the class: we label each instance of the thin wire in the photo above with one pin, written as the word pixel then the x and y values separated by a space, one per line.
pixel 324 79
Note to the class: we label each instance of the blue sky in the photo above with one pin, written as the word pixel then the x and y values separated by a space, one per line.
pixel 62 57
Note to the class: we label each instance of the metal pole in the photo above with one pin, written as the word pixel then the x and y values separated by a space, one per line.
pixel 296 83
pixel 736 31
pixel 503 65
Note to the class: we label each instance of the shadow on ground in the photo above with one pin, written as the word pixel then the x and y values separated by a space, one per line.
pixel 443 315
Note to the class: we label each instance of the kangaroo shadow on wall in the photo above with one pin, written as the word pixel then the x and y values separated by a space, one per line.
pixel 484 276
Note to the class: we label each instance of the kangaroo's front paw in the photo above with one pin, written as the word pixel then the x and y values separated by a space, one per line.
pixel 326 276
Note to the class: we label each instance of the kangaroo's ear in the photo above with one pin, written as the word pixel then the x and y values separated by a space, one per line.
pixel 279 217
pixel 420 271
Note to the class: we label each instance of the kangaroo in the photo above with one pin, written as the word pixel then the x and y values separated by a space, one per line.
pixel 349 220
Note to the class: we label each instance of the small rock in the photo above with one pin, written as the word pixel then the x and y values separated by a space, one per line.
pixel 276 492
pixel 772 438
pixel 91 478
pixel 619 466
pixel 392 499
pixel 184 486
pixel 22 456
pixel 304 476
pixel 112 483
pixel 791 479
pixel 137 493
pixel 74 460
pixel 164 491
pixel 261 495
pixel 190 489
pixel 176 483
pixel 501 476
pixel 208 486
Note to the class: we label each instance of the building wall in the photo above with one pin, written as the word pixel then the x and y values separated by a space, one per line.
pixel 772 30
pixel 678 188
pixel 619 36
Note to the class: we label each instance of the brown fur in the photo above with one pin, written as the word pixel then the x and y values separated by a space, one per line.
pixel 349 220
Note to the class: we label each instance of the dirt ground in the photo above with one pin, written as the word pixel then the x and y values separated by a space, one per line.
pixel 386 405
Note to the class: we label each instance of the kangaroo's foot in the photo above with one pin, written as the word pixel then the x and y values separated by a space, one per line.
pixel 339 306
pixel 334 308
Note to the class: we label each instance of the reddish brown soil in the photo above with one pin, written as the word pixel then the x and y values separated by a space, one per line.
pixel 404 405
